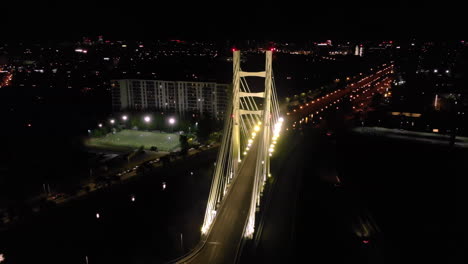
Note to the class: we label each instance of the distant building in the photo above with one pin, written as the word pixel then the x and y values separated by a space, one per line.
pixel 340 49
pixel 205 98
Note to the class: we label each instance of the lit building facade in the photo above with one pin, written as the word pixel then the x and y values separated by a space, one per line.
pixel 205 98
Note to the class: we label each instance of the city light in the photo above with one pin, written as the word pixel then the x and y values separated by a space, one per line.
pixel 183 101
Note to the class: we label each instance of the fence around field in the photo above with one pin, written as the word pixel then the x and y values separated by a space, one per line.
pixel 135 139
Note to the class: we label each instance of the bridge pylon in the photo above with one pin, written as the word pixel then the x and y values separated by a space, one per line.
pixel 244 119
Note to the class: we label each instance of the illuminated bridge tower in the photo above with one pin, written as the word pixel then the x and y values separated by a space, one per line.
pixel 246 128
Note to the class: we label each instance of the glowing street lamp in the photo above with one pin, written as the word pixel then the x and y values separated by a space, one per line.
pixel 112 121
pixel 147 119
pixel 172 122
pixel 124 118
pixel 99 125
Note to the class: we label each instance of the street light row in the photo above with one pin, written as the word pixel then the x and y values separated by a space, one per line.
pixel 147 119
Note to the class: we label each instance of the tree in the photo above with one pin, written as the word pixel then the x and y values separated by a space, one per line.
pixel 135 122
pixel 205 127
pixel 215 136
pixel 100 132
pixel 141 149
pixel 184 145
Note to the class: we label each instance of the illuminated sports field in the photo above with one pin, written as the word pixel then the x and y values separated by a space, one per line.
pixel 135 139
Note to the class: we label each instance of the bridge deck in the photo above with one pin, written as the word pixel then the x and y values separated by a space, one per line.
pixel 226 234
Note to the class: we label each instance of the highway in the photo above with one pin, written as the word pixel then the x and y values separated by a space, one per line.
pixel 223 241
pixel 372 83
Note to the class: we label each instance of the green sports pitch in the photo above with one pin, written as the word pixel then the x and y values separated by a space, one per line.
pixel 134 139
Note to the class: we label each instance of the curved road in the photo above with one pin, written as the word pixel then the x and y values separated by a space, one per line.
pixel 223 241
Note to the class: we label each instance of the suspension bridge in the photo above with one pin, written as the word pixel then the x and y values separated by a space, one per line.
pixel 251 130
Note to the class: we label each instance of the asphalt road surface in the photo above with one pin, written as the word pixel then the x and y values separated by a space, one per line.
pixel 224 239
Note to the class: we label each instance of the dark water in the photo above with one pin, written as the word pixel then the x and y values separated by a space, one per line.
pixel 147 230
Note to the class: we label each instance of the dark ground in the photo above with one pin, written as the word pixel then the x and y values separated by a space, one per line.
pixel 398 202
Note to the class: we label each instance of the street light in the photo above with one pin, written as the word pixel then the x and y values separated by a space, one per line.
pixel 100 125
pixel 124 118
pixel 112 121
pixel 147 119
pixel 172 122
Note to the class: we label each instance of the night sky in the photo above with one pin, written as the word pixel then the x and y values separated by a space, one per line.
pixel 232 19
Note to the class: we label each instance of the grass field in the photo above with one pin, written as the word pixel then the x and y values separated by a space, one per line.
pixel 135 139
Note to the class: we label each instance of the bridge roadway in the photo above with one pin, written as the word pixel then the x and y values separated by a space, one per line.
pixel 222 244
